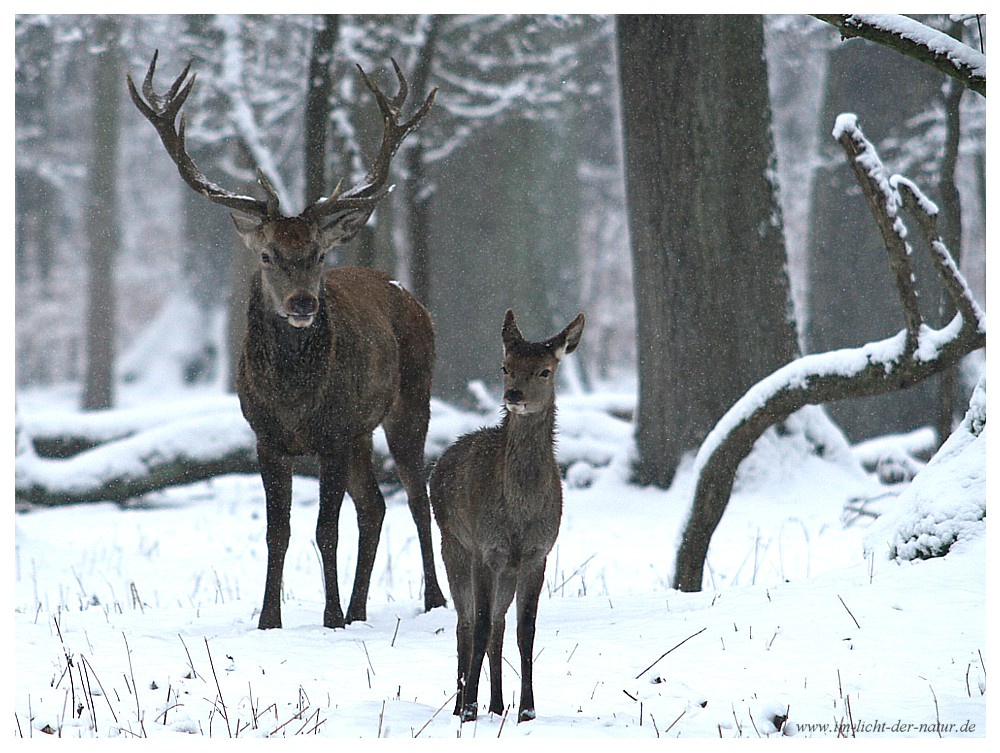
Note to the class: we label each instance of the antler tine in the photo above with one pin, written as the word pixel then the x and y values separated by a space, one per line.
pixel 370 190
pixel 161 111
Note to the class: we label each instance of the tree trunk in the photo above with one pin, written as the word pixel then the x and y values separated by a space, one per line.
pixel 712 296
pixel 417 192
pixel 102 217
pixel 319 87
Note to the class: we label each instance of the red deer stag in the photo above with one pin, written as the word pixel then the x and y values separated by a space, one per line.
pixel 327 357
pixel 497 498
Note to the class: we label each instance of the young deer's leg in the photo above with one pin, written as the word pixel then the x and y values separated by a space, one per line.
pixel 332 485
pixel 276 475
pixel 370 507
pixel 483 586
pixel 506 583
pixel 529 589
pixel 459 569
pixel 405 435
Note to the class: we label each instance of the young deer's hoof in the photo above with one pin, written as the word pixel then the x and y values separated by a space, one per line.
pixel 469 712
pixel 525 715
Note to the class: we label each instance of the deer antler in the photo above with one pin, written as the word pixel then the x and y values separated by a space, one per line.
pixel 162 111
pixel 370 190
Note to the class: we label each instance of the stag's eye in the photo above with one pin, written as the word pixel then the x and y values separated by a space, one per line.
pixel 265 258
pixel 321 257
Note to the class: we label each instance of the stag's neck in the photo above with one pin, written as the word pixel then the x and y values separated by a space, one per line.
pixel 282 346
pixel 529 455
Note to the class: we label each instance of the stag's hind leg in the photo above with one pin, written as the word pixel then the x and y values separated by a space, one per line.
pixel 370 507
pixel 406 431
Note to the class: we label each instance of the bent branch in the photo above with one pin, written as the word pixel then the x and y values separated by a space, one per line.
pixel 911 356
pixel 915 40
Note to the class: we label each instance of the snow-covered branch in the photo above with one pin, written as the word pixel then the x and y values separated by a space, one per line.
pixel 911 356
pixel 916 40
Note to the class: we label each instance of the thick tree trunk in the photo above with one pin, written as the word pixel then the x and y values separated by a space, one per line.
pixel 102 217
pixel 712 295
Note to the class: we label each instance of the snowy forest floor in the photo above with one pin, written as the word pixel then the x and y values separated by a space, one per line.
pixel 140 620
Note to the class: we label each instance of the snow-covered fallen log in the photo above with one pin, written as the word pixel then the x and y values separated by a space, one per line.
pixel 182 451
pixel 131 452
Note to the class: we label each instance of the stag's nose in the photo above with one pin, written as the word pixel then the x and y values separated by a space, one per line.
pixel 301 309
pixel 302 304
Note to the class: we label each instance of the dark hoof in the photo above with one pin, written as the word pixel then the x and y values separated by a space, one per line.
pixel 525 715
pixel 269 623
pixel 469 712
pixel 335 620
pixel 433 600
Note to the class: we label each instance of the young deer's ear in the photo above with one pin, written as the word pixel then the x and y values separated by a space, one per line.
pixel 566 341
pixel 343 228
pixel 510 332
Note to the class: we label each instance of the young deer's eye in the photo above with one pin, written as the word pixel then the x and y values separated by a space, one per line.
pixel 545 373
pixel 503 369
pixel 321 257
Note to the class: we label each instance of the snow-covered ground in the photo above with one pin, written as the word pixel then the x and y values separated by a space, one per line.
pixel 141 622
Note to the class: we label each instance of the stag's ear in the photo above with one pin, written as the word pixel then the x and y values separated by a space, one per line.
pixel 566 341
pixel 247 227
pixel 343 227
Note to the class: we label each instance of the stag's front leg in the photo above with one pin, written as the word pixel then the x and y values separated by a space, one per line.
pixel 276 474
pixel 332 485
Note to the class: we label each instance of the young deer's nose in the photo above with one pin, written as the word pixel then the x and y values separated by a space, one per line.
pixel 513 396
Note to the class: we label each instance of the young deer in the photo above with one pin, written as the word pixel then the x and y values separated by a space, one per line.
pixel 497 498
pixel 327 357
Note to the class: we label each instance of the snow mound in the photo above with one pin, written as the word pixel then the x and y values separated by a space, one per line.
pixel 946 502
pixel 793 447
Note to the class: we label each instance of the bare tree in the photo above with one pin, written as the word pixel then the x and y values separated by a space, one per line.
pixel 102 227
pixel 914 354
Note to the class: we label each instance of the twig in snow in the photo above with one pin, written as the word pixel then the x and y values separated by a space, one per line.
pixel 668 651
pixel 675 721
pixel 395 633
pixel 849 612
pixel 449 700
pixel 503 721
pixel 222 704
pixel 135 688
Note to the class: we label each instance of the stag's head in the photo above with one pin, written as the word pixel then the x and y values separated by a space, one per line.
pixel 290 250
pixel 529 368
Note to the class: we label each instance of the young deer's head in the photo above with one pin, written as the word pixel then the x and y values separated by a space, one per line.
pixel 529 368
pixel 290 250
